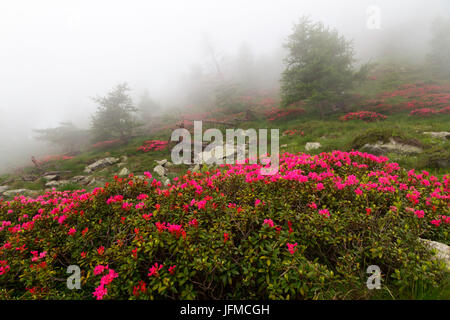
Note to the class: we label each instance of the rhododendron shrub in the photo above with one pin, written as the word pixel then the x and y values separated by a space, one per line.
pixel 413 96
pixel 105 144
pixel 153 145
pixel 293 132
pixel 309 231
pixel 367 116
pixel 276 114
pixel 423 112
pixel 55 158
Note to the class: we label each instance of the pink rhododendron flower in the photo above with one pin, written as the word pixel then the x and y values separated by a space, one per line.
pixel 292 247
pixel 419 213
pixel 153 271
pixel 324 212
pixel 268 222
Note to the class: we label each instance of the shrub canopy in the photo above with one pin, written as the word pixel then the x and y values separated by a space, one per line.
pixel 308 232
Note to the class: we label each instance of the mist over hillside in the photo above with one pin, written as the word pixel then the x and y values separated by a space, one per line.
pixel 56 55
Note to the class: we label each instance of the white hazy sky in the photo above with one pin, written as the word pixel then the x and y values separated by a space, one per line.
pixel 55 54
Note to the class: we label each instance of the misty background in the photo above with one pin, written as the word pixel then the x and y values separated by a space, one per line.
pixel 56 55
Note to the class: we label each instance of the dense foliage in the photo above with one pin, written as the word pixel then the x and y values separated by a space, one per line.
pixel 309 231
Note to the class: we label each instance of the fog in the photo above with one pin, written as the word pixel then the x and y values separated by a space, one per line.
pixel 55 55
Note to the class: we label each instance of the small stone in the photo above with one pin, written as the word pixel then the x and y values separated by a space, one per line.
pixel 81 179
pixel 439 135
pixel 24 192
pixel 160 170
pixel 161 162
pixel 3 189
pixel 51 177
pixel 312 146
pixel 166 182
pixel 124 172
pixel 101 164
pixel 54 184
pixel 168 164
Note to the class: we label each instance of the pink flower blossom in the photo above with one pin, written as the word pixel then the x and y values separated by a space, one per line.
pixel 292 247
pixel 153 271
pixel 268 222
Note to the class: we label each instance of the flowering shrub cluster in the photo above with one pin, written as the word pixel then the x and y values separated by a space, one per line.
pixel 55 158
pixel 153 145
pixel 426 112
pixel 104 144
pixel 293 132
pixel 309 231
pixel 445 110
pixel 423 112
pixel 367 116
pixel 275 114
pixel 414 96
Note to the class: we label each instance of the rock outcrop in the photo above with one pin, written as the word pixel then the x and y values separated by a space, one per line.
pixel 439 135
pixel 312 146
pixel 442 250
pixel 23 192
pixel 101 164
pixel 55 184
pixel 3 189
pixel 124 172
pixel 391 146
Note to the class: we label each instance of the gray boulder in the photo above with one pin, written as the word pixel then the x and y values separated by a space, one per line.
pixel 438 135
pixel 29 178
pixel 54 184
pixel 84 180
pixel 161 162
pixel 124 172
pixel 160 170
pixel 391 146
pixel 442 250
pixel 3 189
pixel 166 182
pixel 312 146
pixel 23 192
pixel 51 177
pixel 101 164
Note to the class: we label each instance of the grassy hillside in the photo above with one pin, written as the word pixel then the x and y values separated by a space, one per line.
pixel 227 232
pixel 392 92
